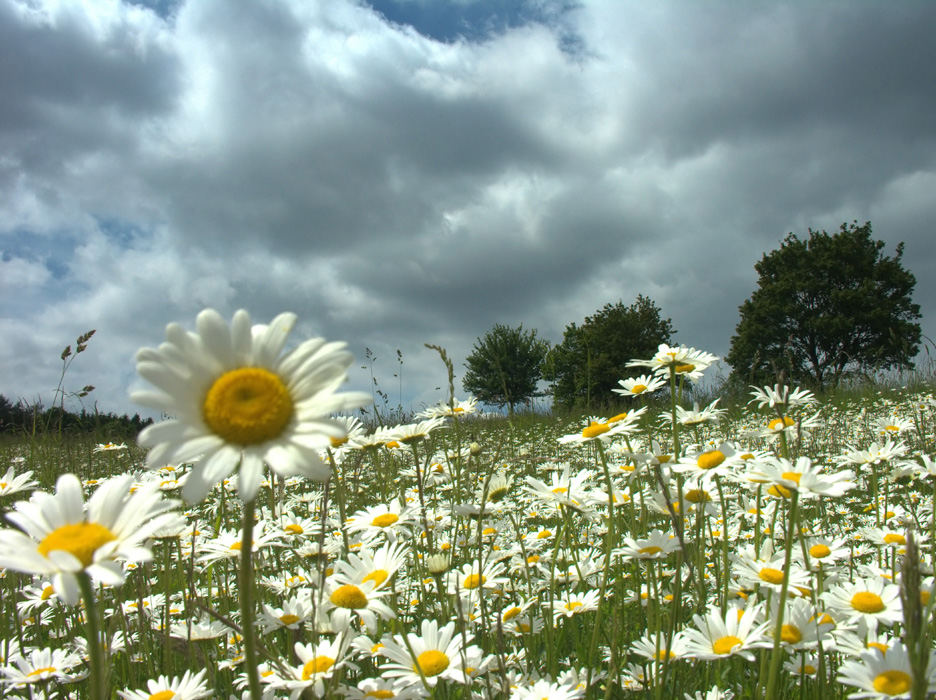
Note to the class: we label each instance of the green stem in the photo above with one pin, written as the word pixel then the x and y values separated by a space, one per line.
pixel 777 653
pixel 97 682
pixel 245 595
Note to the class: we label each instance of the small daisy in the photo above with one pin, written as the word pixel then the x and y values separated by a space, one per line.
pixel 188 687
pixel 239 404
pixel 317 663
pixel 716 636
pixel 644 384
pixel 11 482
pixel 360 598
pixel 61 537
pixel 575 604
pixel 656 545
pixel 40 665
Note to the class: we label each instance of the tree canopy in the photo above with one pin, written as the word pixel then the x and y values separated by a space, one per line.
pixel 827 306
pixel 505 365
pixel 593 357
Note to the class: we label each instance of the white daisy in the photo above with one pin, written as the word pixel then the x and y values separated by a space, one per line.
pixel 237 401
pixel 189 687
pixel 61 537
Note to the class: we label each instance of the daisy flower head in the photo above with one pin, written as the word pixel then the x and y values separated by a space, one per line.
pixel 656 545
pixel 869 601
pixel 644 384
pixel 801 475
pixel 433 655
pixel 680 360
pixel 777 395
pixel 12 482
pixel 887 675
pixel 544 688
pixel 39 666
pixel 189 687
pixel 716 636
pixel 317 663
pixel 61 537
pixel 238 402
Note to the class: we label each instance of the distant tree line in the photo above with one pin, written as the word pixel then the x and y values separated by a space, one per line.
pixel 826 307
pixel 22 418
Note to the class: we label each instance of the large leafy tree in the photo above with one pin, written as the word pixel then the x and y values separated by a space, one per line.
pixel 593 357
pixel 827 306
pixel 505 365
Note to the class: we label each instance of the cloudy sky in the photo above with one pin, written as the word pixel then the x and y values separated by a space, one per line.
pixel 401 172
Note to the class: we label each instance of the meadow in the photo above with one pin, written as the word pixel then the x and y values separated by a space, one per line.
pixel 772 546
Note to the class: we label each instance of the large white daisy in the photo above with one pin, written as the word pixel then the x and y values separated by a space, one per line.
pixel 235 399
pixel 61 538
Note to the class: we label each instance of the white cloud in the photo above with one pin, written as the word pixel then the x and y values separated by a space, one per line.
pixel 394 190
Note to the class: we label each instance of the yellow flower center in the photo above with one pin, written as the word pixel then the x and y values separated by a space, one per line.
pixel 543 534
pixel 235 547
pixel 877 645
pixel 47 593
pixel 652 549
pixel 710 460
pixel 380 694
pixel 431 663
pixel 378 576
pixel 385 520
pixel 595 429
pixel 781 423
pixel 560 489
pixel 684 368
pixel 572 605
pixel 79 539
pixel 724 645
pixel 792 476
pixel 248 406
pixel 473 581
pixel 511 614
pixel 40 671
pixel 665 654
pixel 791 634
pixel 770 575
pixel 894 538
pixel 892 682
pixel 162 695
pixel 819 551
pixel 779 491
pixel 338 441
pixel 867 602
pixel 289 619
pixel 319 664
pixel 697 496
pixel 294 529
pixel 533 559
pixel 638 388
pixel 616 419
pixel 349 596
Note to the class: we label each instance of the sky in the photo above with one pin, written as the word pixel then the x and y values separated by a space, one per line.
pixel 402 172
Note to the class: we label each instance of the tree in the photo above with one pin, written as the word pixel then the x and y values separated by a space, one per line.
pixel 505 365
pixel 593 357
pixel 825 307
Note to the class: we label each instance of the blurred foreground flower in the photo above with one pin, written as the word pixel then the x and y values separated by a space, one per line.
pixel 235 400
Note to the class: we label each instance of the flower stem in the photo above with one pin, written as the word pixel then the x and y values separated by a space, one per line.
pixel 97 683
pixel 777 653
pixel 245 594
